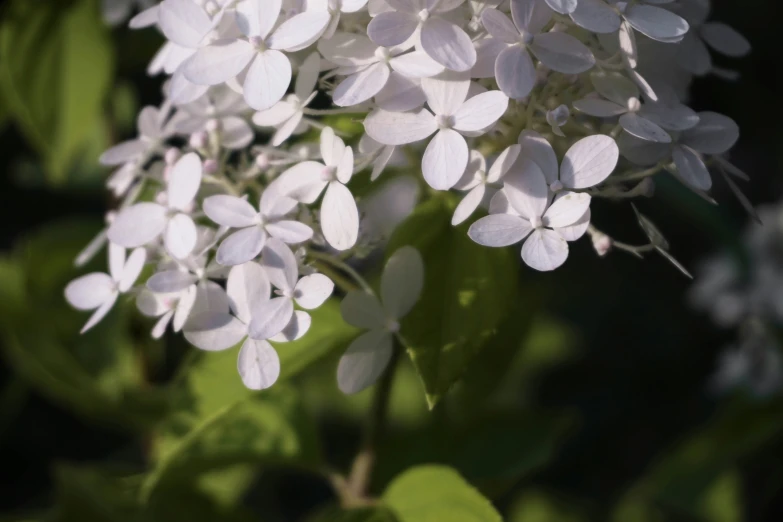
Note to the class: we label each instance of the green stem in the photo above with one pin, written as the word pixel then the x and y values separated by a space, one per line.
pixel 364 463
pixel 343 266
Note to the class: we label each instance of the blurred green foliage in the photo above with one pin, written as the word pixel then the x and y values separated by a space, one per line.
pixel 568 397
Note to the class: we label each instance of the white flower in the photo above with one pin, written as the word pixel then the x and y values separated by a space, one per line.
pixel 222 108
pixel 259 53
pixel 153 128
pixel 446 156
pixel 141 223
pixel 334 8
pixel 558 117
pixel 514 69
pixel 531 211
pixel 98 291
pixel 369 354
pixel 621 98
pixel 254 226
pixel 255 319
pixel 307 180
pixel 605 16
pixel 443 41
pixel 481 184
pixel 287 115
pixel 370 69
pixel 309 292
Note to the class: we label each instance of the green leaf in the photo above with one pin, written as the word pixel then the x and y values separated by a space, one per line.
pixel 269 427
pixel 468 291
pixel 98 375
pixel 437 494
pixel 56 68
pixel 90 495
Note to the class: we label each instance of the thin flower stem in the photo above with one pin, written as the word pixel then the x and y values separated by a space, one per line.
pixel 364 463
pixel 343 266
pixel 343 283
pixel 636 175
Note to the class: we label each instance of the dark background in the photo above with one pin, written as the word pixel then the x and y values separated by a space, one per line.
pixel 640 359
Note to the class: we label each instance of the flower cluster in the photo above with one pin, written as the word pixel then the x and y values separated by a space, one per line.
pixel 229 202
pixel 745 292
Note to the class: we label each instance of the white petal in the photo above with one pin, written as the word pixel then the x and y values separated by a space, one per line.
pixel 643 128
pixel 480 111
pixel 218 62
pixel 345 167
pixel 267 80
pixel 526 189
pixel 693 55
pixel 152 305
pixel 241 247
pixel 670 117
pixel 515 72
pixel 361 86
pixel 182 91
pixel 487 51
pixel 599 107
pixel 399 128
pixel 89 291
pixel 258 364
pixel 332 147
pixel 101 312
pixel 544 250
pixel 499 230
pixel 446 92
pixel 302 182
pixel 210 297
pixel 289 231
pixel 416 64
pixel 499 26
pixel 614 87
pixel 296 328
pixel 270 317
pixel 339 217
pixel 537 149
pixel 170 281
pixel 402 282
pixel 257 17
pixel 311 291
pixel 307 76
pixel 184 181
pixel 657 23
pixel 392 28
pixel 180 236
pixel 187 301
pixel 275 115
pixel 530 15
pixel 725 39
pixel 123 152
pixel 183 22
pixel 299 31
pixel 362 310
pixel 138 225
pixel 504 162
pixel 469 204
pixel 563 53
pixel 248 288
pixel 132 269
pixel 447 44
pixel 445 159
pixel 400 94
pixel 567 209
pixel 364 361
pixel 235 133
pixel 596 16
pixel 116 261
pixel 214 331
pixel 562 6
pixel 691 168
pixel 348 49
pixel 589 161
pixel 230 211
pixel 628 48
pixel 576 230
pixel 280 264
pixel 714 134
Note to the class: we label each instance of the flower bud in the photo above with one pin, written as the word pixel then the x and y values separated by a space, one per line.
pixel 199 140
pixel 172 155
pixel 213 125
pixel 211 166
pixel 601 243
pixel 262 161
